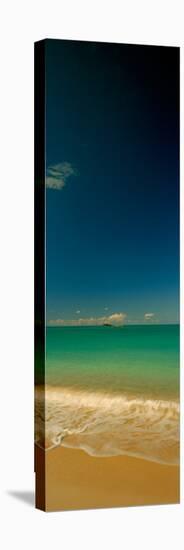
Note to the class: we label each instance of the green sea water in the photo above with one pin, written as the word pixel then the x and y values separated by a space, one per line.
pixel 111 390
pixel 129 359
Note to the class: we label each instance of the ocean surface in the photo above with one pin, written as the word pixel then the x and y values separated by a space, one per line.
pixel 112 391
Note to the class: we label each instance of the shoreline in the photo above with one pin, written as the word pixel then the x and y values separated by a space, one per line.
pixel 76 480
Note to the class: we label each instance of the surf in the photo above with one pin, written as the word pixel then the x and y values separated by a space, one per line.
pixel 108 424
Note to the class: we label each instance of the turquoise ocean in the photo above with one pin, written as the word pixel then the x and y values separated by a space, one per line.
pixel 112 390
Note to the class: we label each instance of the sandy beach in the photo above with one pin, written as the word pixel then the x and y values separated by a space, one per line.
pixel 77 481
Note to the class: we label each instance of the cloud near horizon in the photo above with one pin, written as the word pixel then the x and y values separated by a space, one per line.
pixel 116 319
pixel 58 174
pixel 149 316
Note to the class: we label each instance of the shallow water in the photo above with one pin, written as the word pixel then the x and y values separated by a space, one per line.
pixel 112 391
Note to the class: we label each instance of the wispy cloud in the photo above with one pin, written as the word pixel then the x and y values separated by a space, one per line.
pixel 58 174
pixel 116 319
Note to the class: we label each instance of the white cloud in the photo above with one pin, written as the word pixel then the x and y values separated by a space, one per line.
pixel 78 311
pixel 149 316
pixel 116 319
pixel 58 174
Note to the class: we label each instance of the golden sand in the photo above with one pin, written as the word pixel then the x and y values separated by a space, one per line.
pixel 75 480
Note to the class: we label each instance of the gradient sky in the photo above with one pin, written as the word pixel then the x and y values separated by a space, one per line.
pixel 112 198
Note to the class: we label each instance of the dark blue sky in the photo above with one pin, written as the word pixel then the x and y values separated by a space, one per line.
pixel 112 145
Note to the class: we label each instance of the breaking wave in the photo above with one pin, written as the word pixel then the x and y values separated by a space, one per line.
pixel 104 424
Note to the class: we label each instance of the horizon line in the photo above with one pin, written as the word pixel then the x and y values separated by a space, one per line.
pixel 114 326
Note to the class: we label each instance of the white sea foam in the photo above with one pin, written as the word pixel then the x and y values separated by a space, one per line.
pixel 108 424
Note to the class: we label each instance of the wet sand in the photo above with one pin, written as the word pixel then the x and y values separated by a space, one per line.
pixel 75 480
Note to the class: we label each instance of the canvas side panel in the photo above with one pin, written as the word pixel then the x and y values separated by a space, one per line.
pixel 39 267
